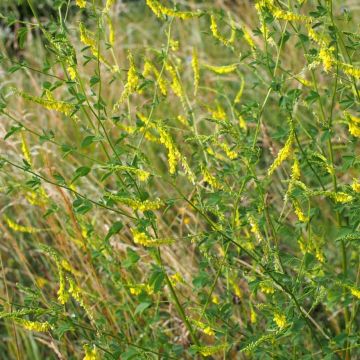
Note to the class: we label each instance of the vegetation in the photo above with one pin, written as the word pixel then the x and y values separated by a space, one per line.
pixel 180 180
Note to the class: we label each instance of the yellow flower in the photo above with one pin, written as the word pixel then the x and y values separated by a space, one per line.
pixel 81 3
pixel 206 329
pixel 326 56
pixel 175 85
pixel 34 325
pixel 280 320
pixel 255 227
pixel 16 227
pixel 267 288
pixel 25 149
pixel 211 350
pixel 249 39
pixel 355 292
pixel 142 239
pixel 214 183
pixel 355 186
pixel 283 154
pixel 226 69
pixel 149 68
pixel 299 213
pixel 196 70
pixel 50 104
pixel 160 10
pixel 215 32
pixel 90 353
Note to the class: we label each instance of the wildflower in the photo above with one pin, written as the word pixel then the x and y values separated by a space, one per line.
pixel 280 320
pixel 131 84
pixel 249 39
pixel 142 239
pixel 215 32
pixel 355 292
pixel 33 325
pixel 141 174
pixel 210 179
pixel 50 104
pixel 25 149
pixel 210 350
pixel 240 92
pixel 340 197
pixel 176 279
pixel 219 113
pixel 255 227
pixel 81 3
pixel 108 5
pixel 175 85
pixel 77 295
pixel 283 154
pixel 267 288
pixel 63 295
pixel 226 69
pixel 353 124
pixel 72 72
pixel 196 70
pixel 206 329
pixel 290 16
pixel 159 10
pixel 149 68
pixel 16 227
pixel 135 204
pixel 90 353
pixel 355 186
pixel 350 70
pixel 253 315
pixel 229 153
pixel 215 299
pixel 111 31
pixel 298 211
pixel 326 57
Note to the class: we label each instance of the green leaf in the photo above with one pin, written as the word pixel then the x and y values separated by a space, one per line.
pixel 80 172
pixel 82 206
pixel 142 307
pixel 115 228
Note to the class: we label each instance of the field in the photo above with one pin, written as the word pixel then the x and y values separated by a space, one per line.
pixel 179 179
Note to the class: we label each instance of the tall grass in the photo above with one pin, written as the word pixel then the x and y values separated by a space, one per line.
pixel 180 181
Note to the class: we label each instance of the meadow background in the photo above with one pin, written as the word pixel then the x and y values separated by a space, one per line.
pixel 179 180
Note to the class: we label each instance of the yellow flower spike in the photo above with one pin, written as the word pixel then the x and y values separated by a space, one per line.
pixel 215 32
pixel 91 353
pixel 211 350
pixel 255 228
pixel 77 295
pixel 299 213
pixel 81 3
pixel 159 10
pixel 226 69
pixel 248 39
pixel 196 70
pixel 280 320
pixel 149 68
pixel 355 292
pixel 19 228
pixel 50 104
pixel 253 315
pixel 215 299
pixel 267 288
pixel 206 329
pixel 63 295
pixel 353 124
pixel 210 179
pixel 34 325
pixel 283 154
pixel 175 85
pixel 25 149
pixel 176 279
pixel 355 186
pixel 142 239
